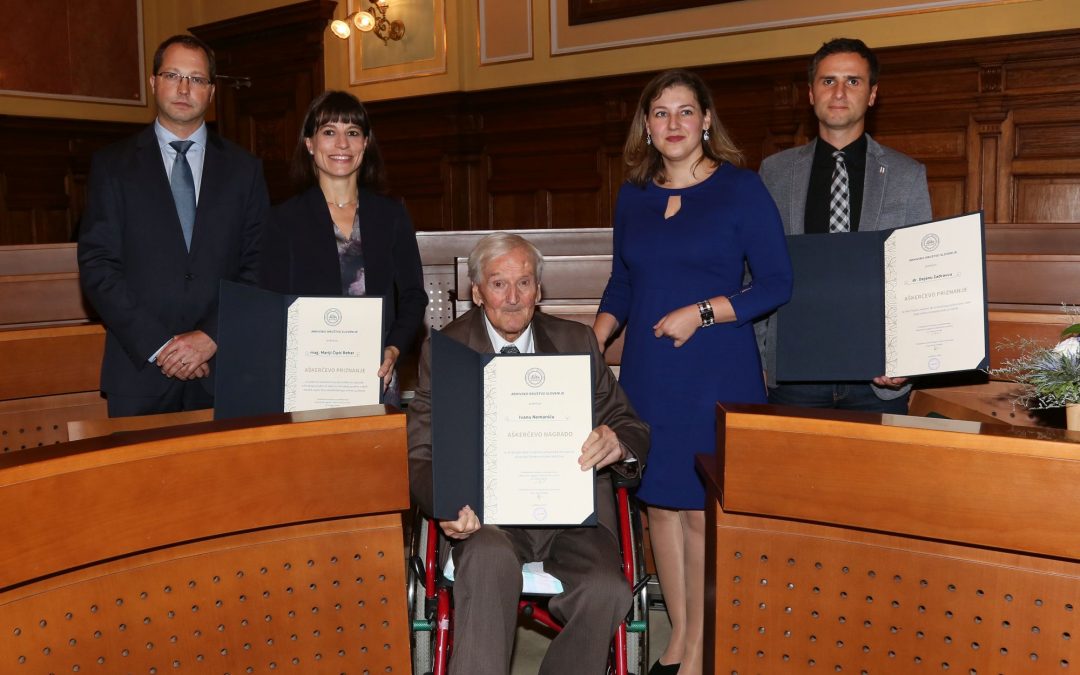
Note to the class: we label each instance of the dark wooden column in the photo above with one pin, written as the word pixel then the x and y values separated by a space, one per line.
pixel 270 67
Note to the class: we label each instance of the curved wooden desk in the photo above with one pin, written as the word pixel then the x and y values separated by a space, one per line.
pixel 236 546
pixel 863 543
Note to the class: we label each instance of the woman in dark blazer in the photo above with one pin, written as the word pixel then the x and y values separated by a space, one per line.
pixel 341 235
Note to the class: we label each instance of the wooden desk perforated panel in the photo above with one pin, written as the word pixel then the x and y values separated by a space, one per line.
pixel 871 544
pixel 308 599
pixel 819 599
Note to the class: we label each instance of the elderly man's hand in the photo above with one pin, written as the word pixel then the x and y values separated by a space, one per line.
pixel 465 525
pixel 601 448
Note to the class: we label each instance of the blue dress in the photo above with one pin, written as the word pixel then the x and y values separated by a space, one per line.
pixel 726 223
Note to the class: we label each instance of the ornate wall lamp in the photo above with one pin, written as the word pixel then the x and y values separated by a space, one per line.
pixel 371 20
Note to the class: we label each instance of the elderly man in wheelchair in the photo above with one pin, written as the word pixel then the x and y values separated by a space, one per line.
pixel 505 274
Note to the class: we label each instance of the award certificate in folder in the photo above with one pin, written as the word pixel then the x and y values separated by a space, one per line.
pixel 506 434
pixel 284 353
pixel 902 302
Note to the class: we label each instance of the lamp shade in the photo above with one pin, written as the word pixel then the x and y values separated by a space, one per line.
pixel 340 28
pixel 364 21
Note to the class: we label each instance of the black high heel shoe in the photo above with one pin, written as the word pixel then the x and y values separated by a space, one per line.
pixel 660 669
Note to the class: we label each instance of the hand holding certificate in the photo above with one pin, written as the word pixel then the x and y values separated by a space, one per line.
pixel 902 302
pixel 507 432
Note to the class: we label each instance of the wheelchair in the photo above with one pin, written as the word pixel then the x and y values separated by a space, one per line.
pixel 431 599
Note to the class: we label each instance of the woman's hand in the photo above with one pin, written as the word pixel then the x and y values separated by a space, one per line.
pixel 679 325
pixel 386 370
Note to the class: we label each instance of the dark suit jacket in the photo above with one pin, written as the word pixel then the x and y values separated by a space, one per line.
pixel 894 194
pixel 551 335
pixel 134 267
pixel 299 256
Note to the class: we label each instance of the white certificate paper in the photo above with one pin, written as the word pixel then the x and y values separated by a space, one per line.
pixel 537 415
pixel 935 305
pixel 333 350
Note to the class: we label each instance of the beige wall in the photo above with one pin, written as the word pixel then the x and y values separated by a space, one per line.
pixel 1001 17
pixel 162 18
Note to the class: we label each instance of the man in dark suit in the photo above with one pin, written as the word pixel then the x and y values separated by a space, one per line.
pixel 505 273
pixel 170 213
pixel 881 187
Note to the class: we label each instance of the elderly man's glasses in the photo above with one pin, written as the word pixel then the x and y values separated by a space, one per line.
pixel 175 79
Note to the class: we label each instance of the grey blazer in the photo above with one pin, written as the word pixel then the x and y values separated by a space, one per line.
pixel 894 194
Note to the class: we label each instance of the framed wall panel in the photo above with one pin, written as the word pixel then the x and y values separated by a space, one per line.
pixel 85 50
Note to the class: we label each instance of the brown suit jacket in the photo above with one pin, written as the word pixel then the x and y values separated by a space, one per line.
pixel 552 335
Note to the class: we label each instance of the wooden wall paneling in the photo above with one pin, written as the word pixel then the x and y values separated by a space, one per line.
pixel 1045 172
pixel 281 52
pixel 43 169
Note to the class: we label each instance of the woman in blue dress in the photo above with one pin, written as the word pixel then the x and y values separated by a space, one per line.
pixel 688 224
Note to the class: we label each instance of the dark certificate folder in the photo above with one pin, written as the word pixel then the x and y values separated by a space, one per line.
pixel 252 341
pixel 458 391
pixel 902 302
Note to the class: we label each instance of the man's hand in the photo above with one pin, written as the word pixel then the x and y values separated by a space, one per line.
pixel 465 525
pixel 601 448
pixel 386 370
pixel 186 356
pixel 890 382
pixel 679 325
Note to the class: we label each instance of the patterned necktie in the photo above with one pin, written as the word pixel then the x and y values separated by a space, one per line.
pixel 839 197
pixel 509 349
pixel 183 189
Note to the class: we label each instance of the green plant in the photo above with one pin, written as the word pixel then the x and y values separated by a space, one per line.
pixel 1050 375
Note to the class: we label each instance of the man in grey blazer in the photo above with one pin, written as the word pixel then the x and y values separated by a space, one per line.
pixel 170 212
pixel 884 189
pixel 505 272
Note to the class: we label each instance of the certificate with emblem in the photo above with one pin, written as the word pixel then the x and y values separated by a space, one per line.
pixel 507 432
pixel 903 302
pixel 333 350
pixel 287 353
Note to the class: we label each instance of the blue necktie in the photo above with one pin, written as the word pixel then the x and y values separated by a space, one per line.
pixel 183 189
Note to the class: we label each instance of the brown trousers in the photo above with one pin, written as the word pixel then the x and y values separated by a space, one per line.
pixel 487 586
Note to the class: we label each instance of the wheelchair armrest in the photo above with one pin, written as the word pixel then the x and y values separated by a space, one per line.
pixel 626 474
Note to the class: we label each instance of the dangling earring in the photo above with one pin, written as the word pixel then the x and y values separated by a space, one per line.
pixel 705 136
pixel 648 139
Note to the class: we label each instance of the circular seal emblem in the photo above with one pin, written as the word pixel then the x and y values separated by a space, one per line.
pixel 540 514
pixel 332 316
pixel 534 377
pixel 933 363
pixel 930 242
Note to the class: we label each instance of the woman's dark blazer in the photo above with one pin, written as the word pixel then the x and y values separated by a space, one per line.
pixel 299 256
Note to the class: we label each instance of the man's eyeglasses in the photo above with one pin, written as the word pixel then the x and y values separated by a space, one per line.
pixel 174 79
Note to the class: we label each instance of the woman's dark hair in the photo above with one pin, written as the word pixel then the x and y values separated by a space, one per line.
pixel 643 161
pixel 343 107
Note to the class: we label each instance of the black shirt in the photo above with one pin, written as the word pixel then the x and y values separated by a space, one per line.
pixel 817 196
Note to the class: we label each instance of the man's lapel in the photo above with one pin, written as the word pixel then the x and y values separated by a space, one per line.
pixel 800 186
pixel 873 186
pixel 478 337
pixel 541 339
pixel 154 182
pixel 209 189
